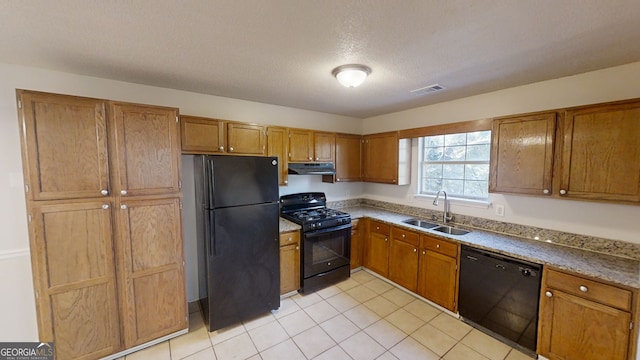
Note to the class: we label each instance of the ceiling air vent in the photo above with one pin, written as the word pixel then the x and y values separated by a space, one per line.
pixel 428 89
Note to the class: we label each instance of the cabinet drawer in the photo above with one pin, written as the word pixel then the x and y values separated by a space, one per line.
pixel 440 246
pixel 378 227
pixel 589 289
pixel 407 236
pixel 288 238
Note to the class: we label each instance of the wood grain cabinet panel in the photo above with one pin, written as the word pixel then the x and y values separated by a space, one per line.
pixel 64 146
pixel 146 142
pixel 289 262
pixel 572 326
pixel 278 145
pixel 403 258
pixel 202 135
pixel 522 154
pixel 75 278
pixel 380 158
pixel 300 145
pixel 376 249
pixel 348 158
pixel 324 145
pixel 151 267
pixel 246 139
pixel 356 243
pixel 438 271
pixel 600 156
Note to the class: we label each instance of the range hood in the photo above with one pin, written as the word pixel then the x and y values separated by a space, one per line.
pixel 311 169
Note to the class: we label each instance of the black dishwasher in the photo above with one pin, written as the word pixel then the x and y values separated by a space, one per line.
pixel 500 294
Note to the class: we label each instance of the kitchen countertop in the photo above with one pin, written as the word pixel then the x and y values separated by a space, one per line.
pixel 620 270
pixel 286 226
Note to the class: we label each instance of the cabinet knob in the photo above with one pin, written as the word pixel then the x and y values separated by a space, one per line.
pixel 545 191
pixel 286 181
pixel 123 207
pixel 337 180
pixel 403 235
pixel 221 148
pixel 231 148
pixel 385 239
pixel 583 288
pixel 394 181
pixel 437 246
pixel 415 250
pixel 317 159
pixel 424 252
pixel 310 157
pixel 548 294
pixel 105 206
pixel 297 247
pixel 377 227
pixel 104 192
pixel 123 192
pixel 563 192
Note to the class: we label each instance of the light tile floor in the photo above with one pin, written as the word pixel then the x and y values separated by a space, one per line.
pixel 362 318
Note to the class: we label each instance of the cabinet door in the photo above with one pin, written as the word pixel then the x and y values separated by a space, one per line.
pixel 381 158
pixel 289 268
pixel 437 278
pixel 151 269
pixel 522 154
pixel 64 144
pixel 246 139
pixel 403 264
pixel 300 145
pixel 348 157
pixel 600 153
pixel 356 245
pixel 277 145
pixel 324 146
pixel 377 253
pixel 575 328
pixel 147 149
pixel 73 264
pixel 202 135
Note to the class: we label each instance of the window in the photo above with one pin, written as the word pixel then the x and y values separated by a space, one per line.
pixel 455 163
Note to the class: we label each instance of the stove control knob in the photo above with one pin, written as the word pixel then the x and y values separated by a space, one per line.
pixel 313 225
pixel 319 224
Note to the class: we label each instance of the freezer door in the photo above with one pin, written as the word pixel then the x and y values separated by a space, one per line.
pixel 242 180
pixel 244 255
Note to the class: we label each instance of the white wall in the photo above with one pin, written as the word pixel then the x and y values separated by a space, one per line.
pixel 610 221
pixel 17 305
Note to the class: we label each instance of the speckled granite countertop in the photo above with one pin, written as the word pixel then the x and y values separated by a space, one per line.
pixel 616 269
pixel 286 225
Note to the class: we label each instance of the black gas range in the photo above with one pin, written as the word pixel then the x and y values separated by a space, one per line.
pixel 326 239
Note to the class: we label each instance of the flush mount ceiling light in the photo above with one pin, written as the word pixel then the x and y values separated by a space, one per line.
pixel 351 75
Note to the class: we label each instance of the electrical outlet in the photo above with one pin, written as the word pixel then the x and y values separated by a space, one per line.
pixel 499 210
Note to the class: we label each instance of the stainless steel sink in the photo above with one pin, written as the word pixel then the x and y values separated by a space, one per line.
pixel 421 223
pixel 450 230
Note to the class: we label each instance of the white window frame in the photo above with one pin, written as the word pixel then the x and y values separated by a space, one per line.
pixel 481 201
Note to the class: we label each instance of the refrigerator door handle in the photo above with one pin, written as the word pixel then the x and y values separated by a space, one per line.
pixel 210 172
pixel 210 233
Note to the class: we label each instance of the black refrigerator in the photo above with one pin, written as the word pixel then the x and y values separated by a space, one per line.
pixel 238 237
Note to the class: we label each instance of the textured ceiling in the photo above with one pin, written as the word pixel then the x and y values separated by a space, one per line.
pixel 282 51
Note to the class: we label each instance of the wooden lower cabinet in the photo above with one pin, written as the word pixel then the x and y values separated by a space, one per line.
pixel 356 244
pixel 72 253
pixel 584 319
pixel 403 258
pixel 289 261
pixel 376 249
pixel 438 271
pixel 151 267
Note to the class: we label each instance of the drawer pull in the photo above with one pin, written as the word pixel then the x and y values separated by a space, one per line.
pixel 548 294
pixel 377 227
pixel 437 246
pixel 404 236
pixel 583 288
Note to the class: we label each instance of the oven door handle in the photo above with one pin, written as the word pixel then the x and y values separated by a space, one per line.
pixel 327 230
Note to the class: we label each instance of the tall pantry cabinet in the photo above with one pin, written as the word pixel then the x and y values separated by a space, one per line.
pixel 103 199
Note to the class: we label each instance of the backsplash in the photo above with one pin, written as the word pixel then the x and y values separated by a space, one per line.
pixel 591 243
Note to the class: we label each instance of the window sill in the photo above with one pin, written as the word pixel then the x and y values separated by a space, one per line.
pixel 482 204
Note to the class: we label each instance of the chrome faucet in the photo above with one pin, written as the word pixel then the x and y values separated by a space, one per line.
pixel 445 215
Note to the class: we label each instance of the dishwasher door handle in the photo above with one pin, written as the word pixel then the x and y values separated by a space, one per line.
pixel 500 266
pixel 472 258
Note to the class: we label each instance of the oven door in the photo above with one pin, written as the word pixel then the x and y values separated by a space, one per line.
pixel 326 249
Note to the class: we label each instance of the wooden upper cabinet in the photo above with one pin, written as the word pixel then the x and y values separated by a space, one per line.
pixel 202 135
pixel 74 275
pixel 147 149
pixel 348 157
pixel 64 146
pixel 380 158
pixel 600 156
pixel 277 145
pixel 151 269
pixel 246 139
pixel 324 145
pixel 522 154
pixel 300 145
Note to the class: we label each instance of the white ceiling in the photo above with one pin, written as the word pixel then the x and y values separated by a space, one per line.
pixel 282 51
